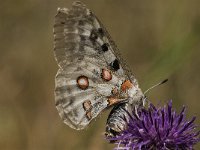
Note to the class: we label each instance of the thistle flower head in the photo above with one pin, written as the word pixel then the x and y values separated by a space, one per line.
pixel 158 129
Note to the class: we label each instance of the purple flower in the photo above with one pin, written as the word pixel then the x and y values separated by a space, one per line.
pixel 157 129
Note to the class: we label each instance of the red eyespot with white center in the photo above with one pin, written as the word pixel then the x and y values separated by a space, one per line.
pixel 82 82
pixel 106 75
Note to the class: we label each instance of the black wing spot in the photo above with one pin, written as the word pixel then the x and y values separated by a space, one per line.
pixel 62 22
pixel 115 65
pixel 104 47
pixel 83 38
pixel 81 22
pixel 100 31
pixel 93 35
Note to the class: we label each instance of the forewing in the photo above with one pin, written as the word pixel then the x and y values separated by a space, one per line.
pixel 83 49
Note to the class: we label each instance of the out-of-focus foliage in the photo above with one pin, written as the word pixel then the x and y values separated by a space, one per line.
pixel 158 39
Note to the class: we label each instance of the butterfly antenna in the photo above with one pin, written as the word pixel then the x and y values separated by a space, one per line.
pixel 162 82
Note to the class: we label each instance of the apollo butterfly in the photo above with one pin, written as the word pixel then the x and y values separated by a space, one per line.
pixel 92 76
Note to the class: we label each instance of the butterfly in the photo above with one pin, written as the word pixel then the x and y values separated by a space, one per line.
pixel 92 76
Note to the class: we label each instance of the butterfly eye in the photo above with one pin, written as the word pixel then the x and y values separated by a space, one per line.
pixel 82 82
pixel 106 74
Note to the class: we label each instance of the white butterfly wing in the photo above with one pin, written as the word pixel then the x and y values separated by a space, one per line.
pixel 88 66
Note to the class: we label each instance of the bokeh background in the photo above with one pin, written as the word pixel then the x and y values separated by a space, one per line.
pixel 158 39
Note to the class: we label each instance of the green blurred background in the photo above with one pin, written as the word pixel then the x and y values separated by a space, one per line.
pixel 158 39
